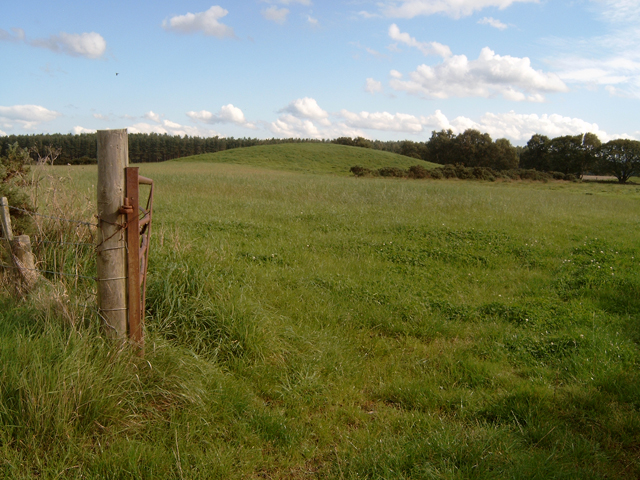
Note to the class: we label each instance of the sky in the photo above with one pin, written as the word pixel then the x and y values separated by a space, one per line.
pixel 380 69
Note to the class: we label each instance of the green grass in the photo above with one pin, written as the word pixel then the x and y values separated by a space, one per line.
pixel 309 158
pixel 321 326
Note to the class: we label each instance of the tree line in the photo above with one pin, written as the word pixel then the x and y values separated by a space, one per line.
pixel 570 154
pixel 143 147
pixel 566 156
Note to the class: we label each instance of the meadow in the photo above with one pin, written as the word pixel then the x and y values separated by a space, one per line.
pixel 303 323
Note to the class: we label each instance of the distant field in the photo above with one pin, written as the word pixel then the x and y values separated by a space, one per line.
pixel 309 158
pixel 325 326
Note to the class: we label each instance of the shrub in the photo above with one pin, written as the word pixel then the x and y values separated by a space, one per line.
pixel 391 172
pixel 418 171
pixel 359 171
pixel 14 169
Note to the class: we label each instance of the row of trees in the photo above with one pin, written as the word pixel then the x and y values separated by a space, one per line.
pixel 471 147
pixel 569 154
pixel 579 154
pixel 143 147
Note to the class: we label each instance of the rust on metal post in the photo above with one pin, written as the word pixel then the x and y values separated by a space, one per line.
pixel 145 236
pixel 130 208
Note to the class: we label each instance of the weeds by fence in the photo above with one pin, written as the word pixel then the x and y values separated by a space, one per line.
pixel 63 243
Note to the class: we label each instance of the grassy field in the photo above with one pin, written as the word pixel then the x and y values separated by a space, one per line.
pixel 309 158
pixel 323 326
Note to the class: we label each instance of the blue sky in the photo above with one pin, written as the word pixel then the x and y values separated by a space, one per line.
pixel 384 69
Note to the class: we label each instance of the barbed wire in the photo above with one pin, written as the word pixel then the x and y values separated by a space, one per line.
pixel 57 273
pixel 37 240
pixel 79 222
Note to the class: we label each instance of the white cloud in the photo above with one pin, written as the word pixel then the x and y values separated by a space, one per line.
pixel 400 122
pixel 489 75
pixel 205 22
pixel 290 126
pixel 307 3
pixel 611 60
pixel 80 130
pixel 521 127
pixel 275 14
pixel 493 23
pixel 452 8
pixel 307 108
pixel 150 115
pixel 427 48
pixel 303 118
pixel 16 36
pixel 172 128
pixel 373 86
pixel 100 116
pixel 227 114
pixel 620 11
pixel 365 14
pixel 312 21
pixel 375 53
pixel 2 134
pixel 28 116
pixel 88 45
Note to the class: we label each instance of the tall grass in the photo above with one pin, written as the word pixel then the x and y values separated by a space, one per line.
pixel 320 326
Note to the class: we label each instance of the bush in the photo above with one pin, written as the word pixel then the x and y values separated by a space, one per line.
pixel 359 171
pixel 14 169
pixel 418 171
pixel 391 172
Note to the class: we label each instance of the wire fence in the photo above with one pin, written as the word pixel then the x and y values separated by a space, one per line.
pixel 64 251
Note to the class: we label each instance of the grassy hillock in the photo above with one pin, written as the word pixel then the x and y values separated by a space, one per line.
pixel 320 326
pixel 309 158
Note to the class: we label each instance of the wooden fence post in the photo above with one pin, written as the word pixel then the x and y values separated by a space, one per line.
pixel 113 158
pixel 5 219
pixel 19 248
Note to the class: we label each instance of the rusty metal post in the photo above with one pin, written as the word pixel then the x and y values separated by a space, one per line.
pixel 132 203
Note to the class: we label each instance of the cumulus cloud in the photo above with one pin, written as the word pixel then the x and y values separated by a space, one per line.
pixel 150 115
pixel 205 22
pixel 291 126
pixel 520 127
pixel 373 86
pixel 307 108
pixel 400 122
pixel 275 14
pixel 305 119
pixel 78 130
pixel 452 8
pixel 492 22
pixel 89 45
pixel 312 21
pixel 28 116
pixel 172 128
pixel 427 48
pixel 227 114
pixel 488 76
pixel 2 134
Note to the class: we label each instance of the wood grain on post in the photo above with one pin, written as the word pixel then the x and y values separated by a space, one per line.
pixel 25 263
pixel 5 219
pixel 113 158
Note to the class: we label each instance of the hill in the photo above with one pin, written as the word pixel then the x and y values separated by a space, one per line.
pixel 309 158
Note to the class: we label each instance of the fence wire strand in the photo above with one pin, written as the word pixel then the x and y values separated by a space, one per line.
pixel 79 222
